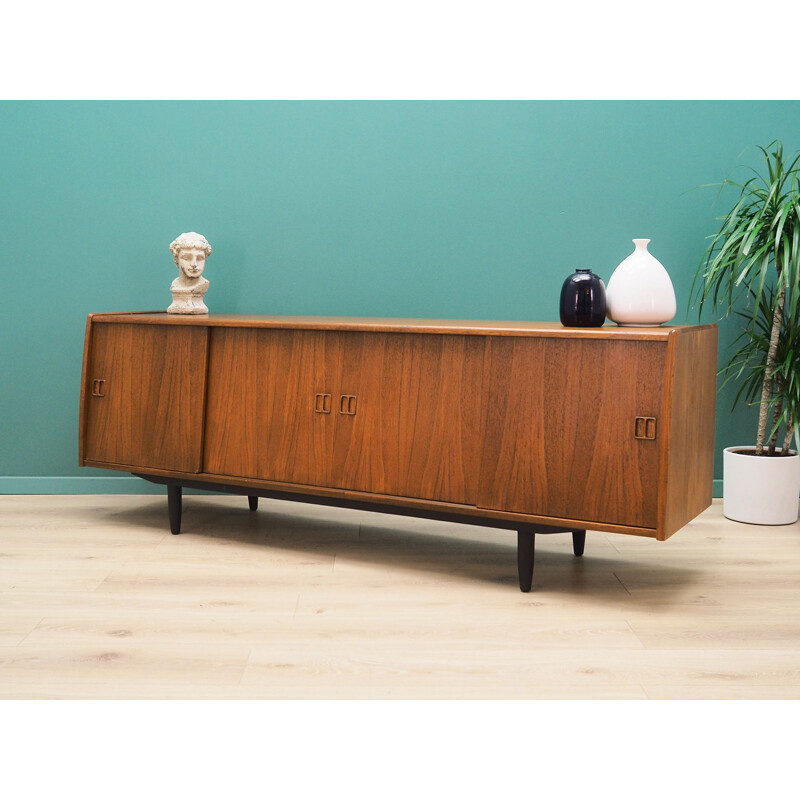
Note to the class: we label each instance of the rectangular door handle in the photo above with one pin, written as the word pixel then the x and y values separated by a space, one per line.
pixel 347 404
pixel 322 403
pixel 645 428
pixel 98 387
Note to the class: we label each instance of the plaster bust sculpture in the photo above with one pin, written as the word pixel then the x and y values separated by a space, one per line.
pixel 190 251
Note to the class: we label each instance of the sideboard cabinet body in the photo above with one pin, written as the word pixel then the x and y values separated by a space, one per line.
pixel 507 424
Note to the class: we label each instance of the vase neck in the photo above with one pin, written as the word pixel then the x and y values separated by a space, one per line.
pixel 641 244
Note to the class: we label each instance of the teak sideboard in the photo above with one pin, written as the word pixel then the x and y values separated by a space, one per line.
pixel 518 425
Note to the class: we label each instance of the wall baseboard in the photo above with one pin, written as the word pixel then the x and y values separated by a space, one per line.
pixel 121 485
pixel 79 485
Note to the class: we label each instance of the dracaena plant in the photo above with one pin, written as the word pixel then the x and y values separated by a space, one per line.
pixel 749 362
pixel 751 269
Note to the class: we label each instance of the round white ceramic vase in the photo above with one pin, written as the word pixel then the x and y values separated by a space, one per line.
pixel 640 291
pixel 761 490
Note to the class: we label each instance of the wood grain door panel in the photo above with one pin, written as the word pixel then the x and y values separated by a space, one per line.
pixel 146 396
pixel 560 429
pixel 262 418
pixel 383 413
pixel 415 431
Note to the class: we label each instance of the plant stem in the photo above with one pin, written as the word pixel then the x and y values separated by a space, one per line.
pixel 766 386
pixel 787 441
pixel 776 415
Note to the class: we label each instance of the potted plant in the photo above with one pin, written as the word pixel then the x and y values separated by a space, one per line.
pixel 751 270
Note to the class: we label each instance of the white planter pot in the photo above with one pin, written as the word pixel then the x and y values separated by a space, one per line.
pixel 761 490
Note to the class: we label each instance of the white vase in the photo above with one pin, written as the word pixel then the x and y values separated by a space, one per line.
pixel 640 291
pixel 761 490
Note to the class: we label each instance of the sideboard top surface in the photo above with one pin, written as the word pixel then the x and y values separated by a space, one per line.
pixel 392 325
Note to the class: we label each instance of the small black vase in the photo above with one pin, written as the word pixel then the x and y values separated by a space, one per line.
pixel 583 300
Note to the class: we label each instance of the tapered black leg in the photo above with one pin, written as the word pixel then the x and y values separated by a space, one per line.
pixel 175 502
pixel 253 502
pixel 578 542
pixel 526 539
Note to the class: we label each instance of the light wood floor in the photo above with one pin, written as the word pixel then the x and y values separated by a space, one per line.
pixel 99 600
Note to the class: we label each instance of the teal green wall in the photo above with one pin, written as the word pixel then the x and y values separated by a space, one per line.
pixel 445 209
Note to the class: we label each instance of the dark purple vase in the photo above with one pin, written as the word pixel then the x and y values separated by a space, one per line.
pixel 583 300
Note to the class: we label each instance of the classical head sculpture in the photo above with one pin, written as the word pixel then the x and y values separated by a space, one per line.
pixel 190 252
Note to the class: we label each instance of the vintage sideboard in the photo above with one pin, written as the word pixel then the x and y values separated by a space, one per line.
pixel 518 425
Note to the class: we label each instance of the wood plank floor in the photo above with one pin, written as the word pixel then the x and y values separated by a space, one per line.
pixel 99 600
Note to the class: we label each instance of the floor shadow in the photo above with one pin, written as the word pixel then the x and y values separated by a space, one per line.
pixel 476 553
